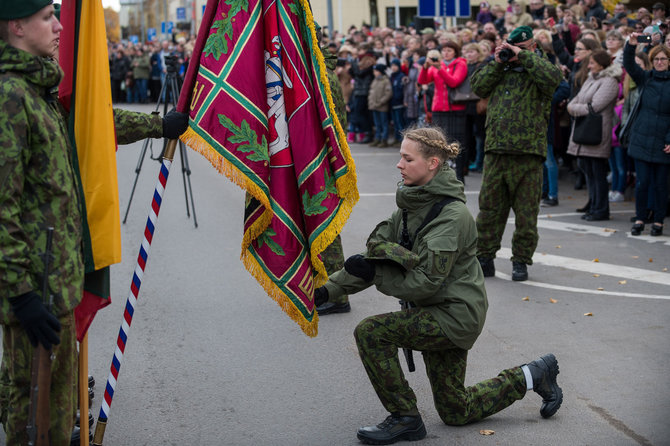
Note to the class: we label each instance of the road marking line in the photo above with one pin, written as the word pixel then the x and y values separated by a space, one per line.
pixel 581 290
pixel 587 266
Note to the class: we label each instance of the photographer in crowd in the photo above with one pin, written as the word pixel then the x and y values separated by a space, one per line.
pixel 519 83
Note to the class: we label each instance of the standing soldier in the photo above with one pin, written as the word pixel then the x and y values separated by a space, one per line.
pixel 333 255
pixel 520 84
pixel 39 188
pixel 434 267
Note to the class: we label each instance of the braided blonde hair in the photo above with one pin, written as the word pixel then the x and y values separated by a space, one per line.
pixel 432 142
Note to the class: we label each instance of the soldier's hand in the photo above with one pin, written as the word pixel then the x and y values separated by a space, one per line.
pixel 356 265
pixel 174 124
pixel 320 296
pixel 40 325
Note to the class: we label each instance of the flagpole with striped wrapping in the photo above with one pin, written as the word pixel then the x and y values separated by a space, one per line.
pixel 134 292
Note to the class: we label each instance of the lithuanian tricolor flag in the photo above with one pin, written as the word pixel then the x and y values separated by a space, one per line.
pixel 86 93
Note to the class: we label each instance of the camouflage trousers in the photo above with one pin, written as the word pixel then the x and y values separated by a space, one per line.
pixel 15 384
pixel 510 182
pixel 333 260
pixel 378 339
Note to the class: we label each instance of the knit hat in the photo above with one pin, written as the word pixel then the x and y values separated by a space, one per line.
pixel 380 67
pixel 520 34
pixel 12 9
pixel 396 62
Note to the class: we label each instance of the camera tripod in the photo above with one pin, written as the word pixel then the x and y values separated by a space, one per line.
pixel 169 94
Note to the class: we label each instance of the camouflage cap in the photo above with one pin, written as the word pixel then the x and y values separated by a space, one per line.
pixel 381 250
pixel 11 9
pixel 520 34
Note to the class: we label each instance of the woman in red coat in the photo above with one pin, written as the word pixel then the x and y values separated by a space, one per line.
pixel 447 70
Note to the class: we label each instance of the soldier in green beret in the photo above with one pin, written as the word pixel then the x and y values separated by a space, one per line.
pixel 39 188
pixel 520 83
pixel 425 253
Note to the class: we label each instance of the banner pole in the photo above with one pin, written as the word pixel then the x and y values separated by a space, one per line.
pixel 83 391
pixel 135 284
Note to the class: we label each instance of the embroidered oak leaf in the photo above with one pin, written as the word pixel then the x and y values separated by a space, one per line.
pixel 266 238
pixel 217 43
pixel 247 138
pixel 313 204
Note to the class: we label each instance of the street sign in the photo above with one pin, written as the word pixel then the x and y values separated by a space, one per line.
pixel 134 39
pixel 151 34
pixel 181 14
pixel 166 27
pixel 444 8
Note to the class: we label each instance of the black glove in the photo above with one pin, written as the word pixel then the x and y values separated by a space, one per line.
pixel 357 266
pixel 320 296
pixel 40 325
pixel 174 124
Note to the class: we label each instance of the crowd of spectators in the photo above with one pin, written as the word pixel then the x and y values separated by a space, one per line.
pixel 428 66
pixel 395 78
pixel 137 71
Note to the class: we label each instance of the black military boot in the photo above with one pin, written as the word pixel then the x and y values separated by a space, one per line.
pixel 519 271
pixel 332 307
pixel 544 371
pixel 394 428
pixel 488 267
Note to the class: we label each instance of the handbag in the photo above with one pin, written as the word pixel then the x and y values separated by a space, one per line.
pixel 623 132
pixel 588 129
pixel 462 93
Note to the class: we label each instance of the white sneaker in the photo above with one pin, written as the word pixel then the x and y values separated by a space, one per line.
pixel 610 195
pixel 616 197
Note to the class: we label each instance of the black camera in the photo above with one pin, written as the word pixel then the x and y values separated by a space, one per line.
pixel 505 55
pixel 434 59
pixel 172 64
pixel 645 38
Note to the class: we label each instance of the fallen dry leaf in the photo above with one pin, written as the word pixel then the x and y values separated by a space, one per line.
pixel 526 298
pixel 596 275
pixel 622 282
pixel 665 270
pixel 609 230
pixel 553 301
pixel 588 314
pixel 486 432
pixel 600 288
pixel 596 260
pixel 558 246
pixel 636 257
pixel 650 260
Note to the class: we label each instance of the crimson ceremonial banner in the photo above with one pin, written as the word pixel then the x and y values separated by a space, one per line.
pixel 261 111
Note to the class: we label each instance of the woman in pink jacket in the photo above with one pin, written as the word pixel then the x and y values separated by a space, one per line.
pixel 447 70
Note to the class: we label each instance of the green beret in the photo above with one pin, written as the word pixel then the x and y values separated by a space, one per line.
pixel 380 250
pixel 12 9
pixel 520 34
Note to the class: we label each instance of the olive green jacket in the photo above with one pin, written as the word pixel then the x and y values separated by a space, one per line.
pixel 448 280
pixel 38 183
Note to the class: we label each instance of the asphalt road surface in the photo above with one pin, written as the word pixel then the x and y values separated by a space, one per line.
pixel 211 359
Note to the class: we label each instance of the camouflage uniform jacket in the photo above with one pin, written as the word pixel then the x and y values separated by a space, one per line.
pixel 519 103
pixel 38 183
pixel 447 281
pixel 335 88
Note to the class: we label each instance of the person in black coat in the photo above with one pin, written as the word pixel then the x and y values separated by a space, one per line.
pixel 649 143
pixel 119 69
